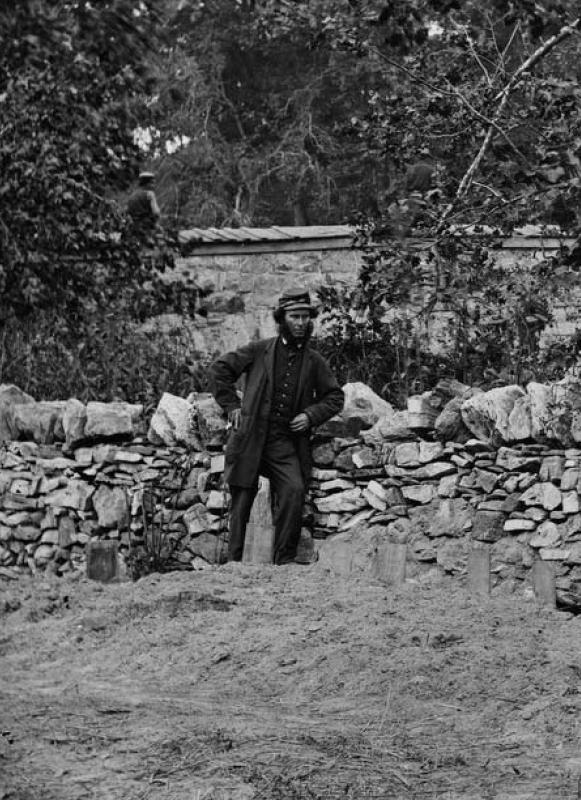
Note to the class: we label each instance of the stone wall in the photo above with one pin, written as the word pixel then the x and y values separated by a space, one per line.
pixel 380 476
pixel 72 473
pixel 444 498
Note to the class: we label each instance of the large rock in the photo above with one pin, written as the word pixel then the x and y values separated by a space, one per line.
pixel 361 410
pixel 74 421
pixel 210 420
pixel 487 415
pixel 449 425
pixel 520 421
pixel 39 422
pixel 171 422
pixel 208 546
pixel 389 428
pixel 423 410
pixel 111 505
pixel 540 402
pixel 10 397
pixel 546 535
pixel 112 420
pixel 448 388
pixel 198 520
pixel 76 494
pixel 543 494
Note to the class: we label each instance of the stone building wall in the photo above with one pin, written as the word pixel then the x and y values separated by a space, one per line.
pixel 244 288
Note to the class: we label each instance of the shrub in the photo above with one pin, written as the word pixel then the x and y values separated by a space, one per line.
pixel 108 358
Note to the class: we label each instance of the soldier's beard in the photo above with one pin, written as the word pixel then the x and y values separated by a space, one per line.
pixel 286 333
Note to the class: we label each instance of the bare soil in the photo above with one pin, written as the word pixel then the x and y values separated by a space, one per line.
pixel 244 682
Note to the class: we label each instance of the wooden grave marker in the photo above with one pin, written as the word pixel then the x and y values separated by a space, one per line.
pixel 390 563
pixel 479 571
pixel 544 583
pixel 102 560
pixel 259 541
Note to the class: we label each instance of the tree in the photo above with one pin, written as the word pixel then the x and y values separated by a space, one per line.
pixel 268 119
pixel 480 101
pixel 68 74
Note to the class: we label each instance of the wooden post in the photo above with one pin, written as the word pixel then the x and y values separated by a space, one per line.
pixel 259 541
pixel 544 583
pixel 479 571
pixel 390 563
pixel 102 562
pixel 340 557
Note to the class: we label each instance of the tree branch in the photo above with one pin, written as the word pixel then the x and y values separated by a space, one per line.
pixel 494 124
pixel 502 98
pixel 459 96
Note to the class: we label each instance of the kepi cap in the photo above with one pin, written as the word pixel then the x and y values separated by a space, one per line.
pixel 296 300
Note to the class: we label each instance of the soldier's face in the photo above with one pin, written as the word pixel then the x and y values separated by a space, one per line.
pixel 297 323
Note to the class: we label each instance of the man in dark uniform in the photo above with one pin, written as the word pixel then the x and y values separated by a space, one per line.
pixel 142 208
pixel 289 390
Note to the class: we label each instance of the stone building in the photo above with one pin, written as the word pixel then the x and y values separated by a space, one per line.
pixel 243 270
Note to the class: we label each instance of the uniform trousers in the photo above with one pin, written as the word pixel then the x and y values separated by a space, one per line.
pixel 280 464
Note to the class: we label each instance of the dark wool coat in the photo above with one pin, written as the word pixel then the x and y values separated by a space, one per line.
pixel 318 395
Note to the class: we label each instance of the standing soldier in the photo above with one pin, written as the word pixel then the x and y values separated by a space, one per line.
pixel 142 208
pixel 289 390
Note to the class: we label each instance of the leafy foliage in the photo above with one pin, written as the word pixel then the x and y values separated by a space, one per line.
pixel 327 106
pixel 417 117
pixel 68 73
pixel 422 313
pixel 268 118
pixel 110 358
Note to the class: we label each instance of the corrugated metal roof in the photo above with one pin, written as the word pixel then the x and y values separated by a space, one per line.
pixel 272 234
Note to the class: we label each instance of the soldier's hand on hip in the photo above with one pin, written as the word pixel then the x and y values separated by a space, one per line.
pixel 234 418
pixel 300 423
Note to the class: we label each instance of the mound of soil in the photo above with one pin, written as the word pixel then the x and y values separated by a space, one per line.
pixel 242 682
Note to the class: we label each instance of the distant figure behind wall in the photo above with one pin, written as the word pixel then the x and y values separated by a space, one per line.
pixel 142 209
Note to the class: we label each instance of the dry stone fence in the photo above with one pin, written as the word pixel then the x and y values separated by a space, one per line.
pixel 459 470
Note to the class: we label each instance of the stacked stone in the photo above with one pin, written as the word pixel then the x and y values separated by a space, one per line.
pixel 54 504
pixel 441 499
pixel 90 472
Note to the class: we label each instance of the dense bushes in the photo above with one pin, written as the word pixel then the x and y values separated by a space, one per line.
pixel 112 358
pixel 453 310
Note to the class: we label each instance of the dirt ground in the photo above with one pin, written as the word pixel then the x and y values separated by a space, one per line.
pixel 244 682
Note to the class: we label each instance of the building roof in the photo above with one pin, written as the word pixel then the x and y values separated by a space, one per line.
pixel 201 241
pixel 277 239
